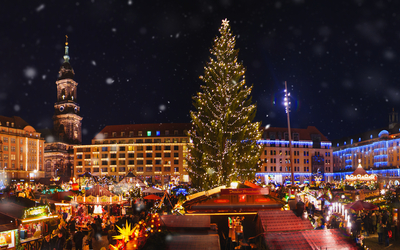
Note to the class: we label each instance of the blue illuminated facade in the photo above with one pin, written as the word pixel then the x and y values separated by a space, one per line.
pixel 381 152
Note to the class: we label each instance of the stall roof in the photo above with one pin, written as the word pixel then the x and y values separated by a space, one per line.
pixel 280 221
pixel 177 221
pixel 11 209
pixel 194 242
pixel 310 239
pixel 152 190
pixel 99 190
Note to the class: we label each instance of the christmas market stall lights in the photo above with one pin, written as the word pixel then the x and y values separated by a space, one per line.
pixel 9 238
pixel 32 221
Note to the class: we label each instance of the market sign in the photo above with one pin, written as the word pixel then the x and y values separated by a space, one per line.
pixel 359 177
pixel 250 191
pixel 36 212
pixel 7 238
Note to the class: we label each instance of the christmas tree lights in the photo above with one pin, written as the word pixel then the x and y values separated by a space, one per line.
pixel 224 138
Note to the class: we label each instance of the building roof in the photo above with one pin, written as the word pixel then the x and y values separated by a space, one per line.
pixel 304 134
pixel 98 190
pixel 280 221
pixel 18 122
pixel 12 210
pixel 106 133
pixel 310 239
pixel 194 242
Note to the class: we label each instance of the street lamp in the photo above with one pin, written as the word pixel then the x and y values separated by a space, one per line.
pixel 287 109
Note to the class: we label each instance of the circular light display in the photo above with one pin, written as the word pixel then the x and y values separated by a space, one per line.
pixel 61 108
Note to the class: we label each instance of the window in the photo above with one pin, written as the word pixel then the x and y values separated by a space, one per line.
pixel 149 162
pixel 176 147
pixel 149 155
pixel 96 170
pixel 78 156
pixel 176 154
pixel 148 133
pixel 167 147
pixel 104 162
pixel 113 156
pixel 104 155
pixel 149 147
pixel 158 162
pixel 158 154
pixel 79 163
pixel 157 133
pixel 114 134
pixel 139 148
pixel 167 169
pixel 157 169
pixel 167 154
pixel 140 133
pixel 121 155
pixel 139 162
pixel 113 148
pixel 5 148
pixel 140 155
pixel 113 163
pixel 122 148
pixel 176 169
pixel 12 140
pixel 104 149
pixel 131 155
pixel 131 162
pixel 175 132
pixel 149 169
pixel 139 169
pixel 121 169
pixel 104 169
pixel 121 162
pixel 5 139
pixel 176 162
pixel 148 141
pixel 87 156
pixel 166 132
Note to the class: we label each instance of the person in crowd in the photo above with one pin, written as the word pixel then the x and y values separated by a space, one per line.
pixel 68 243
pixel 110 235
pixel 72 226
pixel 90 236
pixel 78 239
pixel 373 223
pixel 380 232
pixel 59 244
pixel 99 228
pixel 46 243
pixel 358 225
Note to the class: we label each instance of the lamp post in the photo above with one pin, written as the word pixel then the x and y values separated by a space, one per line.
pixel 287 109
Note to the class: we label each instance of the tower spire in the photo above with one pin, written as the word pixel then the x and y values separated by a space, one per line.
pixel 66 56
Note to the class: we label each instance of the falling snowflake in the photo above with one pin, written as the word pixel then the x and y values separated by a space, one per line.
pixel 30 72
pixel 109 81
pixel 17 108
pixel 114 30
pixel 162 107
pixel 40 8
pixel 94 63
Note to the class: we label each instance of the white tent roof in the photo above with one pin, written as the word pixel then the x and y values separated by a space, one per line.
pixel 152 190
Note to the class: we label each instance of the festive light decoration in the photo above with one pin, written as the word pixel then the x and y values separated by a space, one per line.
pixel 224 138
pixel 135 238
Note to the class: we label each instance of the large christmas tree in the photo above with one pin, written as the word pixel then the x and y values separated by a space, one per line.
pixel 224 139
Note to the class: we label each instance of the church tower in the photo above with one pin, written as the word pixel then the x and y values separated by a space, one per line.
pixel 67 119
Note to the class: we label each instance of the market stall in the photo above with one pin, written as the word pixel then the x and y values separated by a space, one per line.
pixel 32 221
pixel 361 175
pixel 9 238
pixel 99 202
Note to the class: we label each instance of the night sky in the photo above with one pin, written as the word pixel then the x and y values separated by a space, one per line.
pixel 140 61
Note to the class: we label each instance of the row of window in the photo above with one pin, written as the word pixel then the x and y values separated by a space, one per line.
pixel 288 169
pixel 141 133
pixel 31 167
pixel 295 153
pixel 128 148
pixel 124 169
pixel 130 155
pixel 130 162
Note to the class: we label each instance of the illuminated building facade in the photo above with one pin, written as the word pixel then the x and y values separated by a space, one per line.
pixel 21 150
pixel 67 124
pixel 155 153
pixel 312 156
pixel 378 152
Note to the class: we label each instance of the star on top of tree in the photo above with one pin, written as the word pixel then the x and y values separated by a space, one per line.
pixel 225 22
